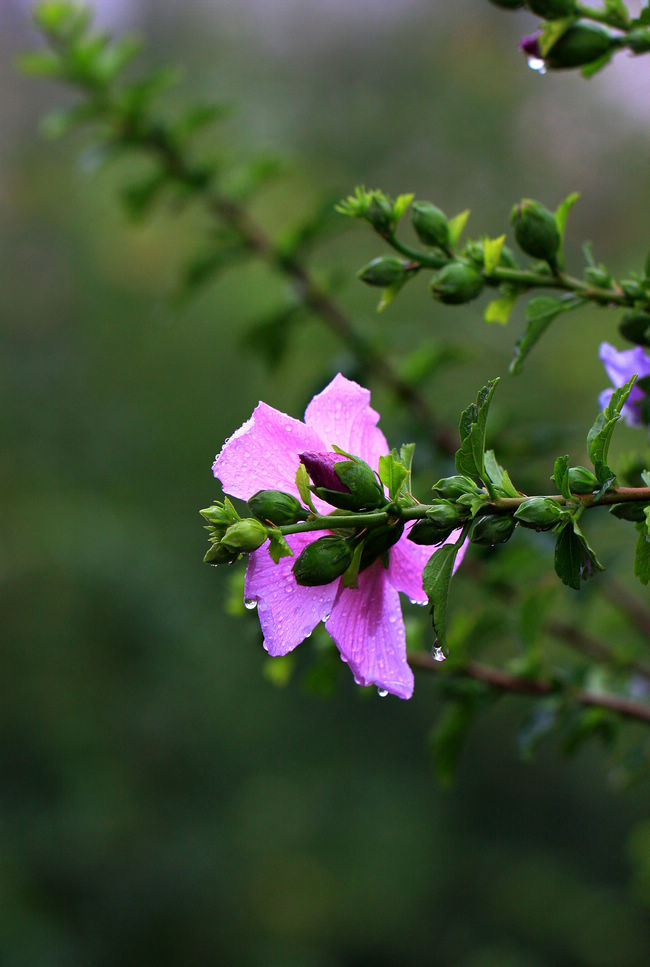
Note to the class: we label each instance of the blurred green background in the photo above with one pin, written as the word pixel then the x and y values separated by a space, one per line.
pixel 161 802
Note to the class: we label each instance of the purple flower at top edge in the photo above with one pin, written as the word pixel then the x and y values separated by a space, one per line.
pixel 530 45
pixel 366 622
pixel 620 366
pixel 320 467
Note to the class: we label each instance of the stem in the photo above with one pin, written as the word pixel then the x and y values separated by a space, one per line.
pixel 505 682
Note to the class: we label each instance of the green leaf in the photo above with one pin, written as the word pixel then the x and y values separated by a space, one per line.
pixel 499 309
pixel 302 483
pixel 540 313
pixel 596 65
pixel 600 434
pixel 349 578
pixel 575 560
pixel 456 226
pixel 561 476
pixel 278 546
pixel 499 477
pixel 642 557
pixel 492 248
pixel 392 474
pixel 562 212
pixel 473 421
pixel 390 292
pixel 435 581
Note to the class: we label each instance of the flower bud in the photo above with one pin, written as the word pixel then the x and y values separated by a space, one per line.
pixel 453 487
pixel 579 45
pixel 598 275
pixel 430 224
pixel 635 327
pixel 540 513
pixel 457 283
pixel 218 554
pixel 638 40
pixel 385 270
pixel 379 213
pixel 276 506
pixel 492 529
pixel 535 229
pixel 344 482
pixel 442 518
pixel 582 480
pixel 244 536
pixel 378 541
pixel 552 9
pixel 630 510
pixel 322 561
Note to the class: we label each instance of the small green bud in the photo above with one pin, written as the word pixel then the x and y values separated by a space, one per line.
pixel 632 510
pixel 244 536
pixel 633 289
pixel 535 229
pixel 430 224
pixel 218 554
pixel 276 506
pixel 322 561
pixel 379 213
pixel 492 529
pixel 378 541
pixel 540 513
pixel 638 40
pixel 552 9
pixel 582 480
pixel 457 283
pixel 454 487
pixel 365 491
pixel 579 45
pixel 635 327
pixel 598 275
pixel 385 270
pixel 442 518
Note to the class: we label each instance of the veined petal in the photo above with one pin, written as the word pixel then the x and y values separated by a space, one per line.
pixel 287 611
pixel 407 562
pixel 342 416
pixel 263 453
pixel 367 627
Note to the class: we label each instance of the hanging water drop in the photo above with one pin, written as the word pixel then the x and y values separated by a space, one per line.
pixel 250 604
pixel 437 653
pixel 382 692
pixel 537 64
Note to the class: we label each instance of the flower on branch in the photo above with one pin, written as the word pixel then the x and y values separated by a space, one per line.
pixel 620 367
pixel 365 621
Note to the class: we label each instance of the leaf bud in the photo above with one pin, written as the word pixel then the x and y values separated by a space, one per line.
pixel 535 229
pixel 457 283
pixel 244 536
pixel 442 518
pixel 378 541
pixel 492 529
pixel 635 327
pixel 385 271
pixel 430 224
pixel 276 506
pixel 630 510
pixel 540 513
pixel 344 482
pixel 322 561
pixel 552 9
pixel 454 487
pixel 579 45
pixel 582 480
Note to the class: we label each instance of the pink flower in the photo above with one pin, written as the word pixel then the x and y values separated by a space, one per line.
pixel 366 622
pixel 620 366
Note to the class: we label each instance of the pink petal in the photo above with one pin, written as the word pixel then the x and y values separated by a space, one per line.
pixel 342 416
pixel 287 611
pixel 367 627
pixel 263 453
pixel 407 561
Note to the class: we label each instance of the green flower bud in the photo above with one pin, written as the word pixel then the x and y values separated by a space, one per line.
pixel 540 513
pixel 366 493
pixel 630 510
pixel 552 9
pixel 244 536
pixel 535 229
pixel 599 276
pixel 453 487
pixel 276 506
pixel 633 289
pixel 322 561
pixel 378 541
pixel 582 480
pixel 635 327
pixel 379 213
pixel 442 518
pixel 457 283
pixel 218 554
pixel 430 224
pixel 492 529
pixel 638 40
pixel 508 4
pixel 385 270
pixel 579 45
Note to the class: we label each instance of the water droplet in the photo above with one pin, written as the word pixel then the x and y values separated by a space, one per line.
pixel 437 653
pixel 537 64
pixel 250 604
pixel 382 692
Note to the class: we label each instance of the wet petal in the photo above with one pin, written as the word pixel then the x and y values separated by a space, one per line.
pixel 342 416
pixel 407 561
pixel 288 613
pixel 367 626
pixel 263 453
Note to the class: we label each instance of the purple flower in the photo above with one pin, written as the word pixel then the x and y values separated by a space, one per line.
pixel 365 622
pixel 620 367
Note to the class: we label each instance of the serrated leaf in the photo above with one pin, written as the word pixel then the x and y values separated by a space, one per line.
pixel 473 421
pixel 562 212
pixel 561 476
pixel 456 226
pixel 600 434
pixel 492 248
pixel 540 313
pixel 642 557
pixel 499 477
pixel 499 309
pixel 392 474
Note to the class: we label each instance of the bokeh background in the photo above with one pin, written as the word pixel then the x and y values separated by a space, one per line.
pixel 162 802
